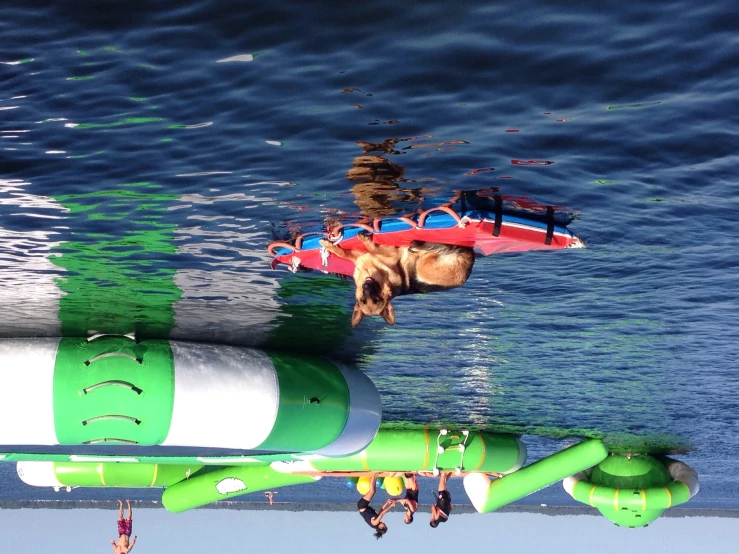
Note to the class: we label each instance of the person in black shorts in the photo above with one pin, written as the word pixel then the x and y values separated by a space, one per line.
pixel 410 501
pixel 443 508
pixel 369 514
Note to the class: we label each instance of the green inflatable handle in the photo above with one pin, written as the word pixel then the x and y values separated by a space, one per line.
pixel 487 495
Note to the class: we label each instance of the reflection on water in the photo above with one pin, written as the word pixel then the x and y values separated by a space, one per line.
pixel 28 292
pixel 118 283
pixel 377 188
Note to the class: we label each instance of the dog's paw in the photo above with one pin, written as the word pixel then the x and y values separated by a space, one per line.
pixel 325 243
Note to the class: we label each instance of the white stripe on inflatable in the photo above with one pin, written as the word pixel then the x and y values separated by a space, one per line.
pixel 27 394
pixel 680 471
pixel 227 460
pixel 521 460
pixel 111 459
pixel 363 420
pixel 477 486
pixel 224 397
pixel 569 482
pixel 38 474
pixel 290 466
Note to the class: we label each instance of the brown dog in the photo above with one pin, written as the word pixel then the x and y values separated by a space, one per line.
pixel 384 272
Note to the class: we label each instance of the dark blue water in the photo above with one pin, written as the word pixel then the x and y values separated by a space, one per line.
pixel 142 177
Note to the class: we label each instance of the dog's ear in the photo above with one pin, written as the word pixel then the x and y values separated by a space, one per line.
pixel 388 314
pixel 357 315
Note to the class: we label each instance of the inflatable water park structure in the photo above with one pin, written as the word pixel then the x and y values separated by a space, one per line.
pixel 208 422
pixel 242 421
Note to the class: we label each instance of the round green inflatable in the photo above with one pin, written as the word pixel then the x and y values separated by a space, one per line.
pixel 634 490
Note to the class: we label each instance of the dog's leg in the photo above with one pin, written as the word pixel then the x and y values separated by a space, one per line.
pixel 374 248
pixel 340 252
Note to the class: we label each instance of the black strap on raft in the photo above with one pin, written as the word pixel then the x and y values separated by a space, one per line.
pixel 550 225
pixel 498 214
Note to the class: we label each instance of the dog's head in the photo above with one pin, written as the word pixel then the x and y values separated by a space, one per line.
pixel 373 298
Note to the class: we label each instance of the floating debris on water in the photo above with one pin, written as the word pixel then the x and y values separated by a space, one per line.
pixel 480 170
pixel 239 58
pixel 625 106
pixel 532 162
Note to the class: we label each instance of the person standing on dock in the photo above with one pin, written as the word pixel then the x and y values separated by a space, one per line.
pixel 443 508
pixel 125 528
pixel 369 514
pixel 410 501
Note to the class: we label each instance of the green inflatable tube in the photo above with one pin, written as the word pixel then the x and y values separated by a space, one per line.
pixel 424 450
pixel 659 498
pixel 220 461
pixel 391 450
pixel 226 483
pixel 104 474
pixel 487 495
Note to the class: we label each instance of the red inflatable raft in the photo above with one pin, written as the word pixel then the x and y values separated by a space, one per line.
pixel 490 223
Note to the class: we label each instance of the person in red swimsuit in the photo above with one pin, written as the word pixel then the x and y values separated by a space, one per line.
pixel 125 529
